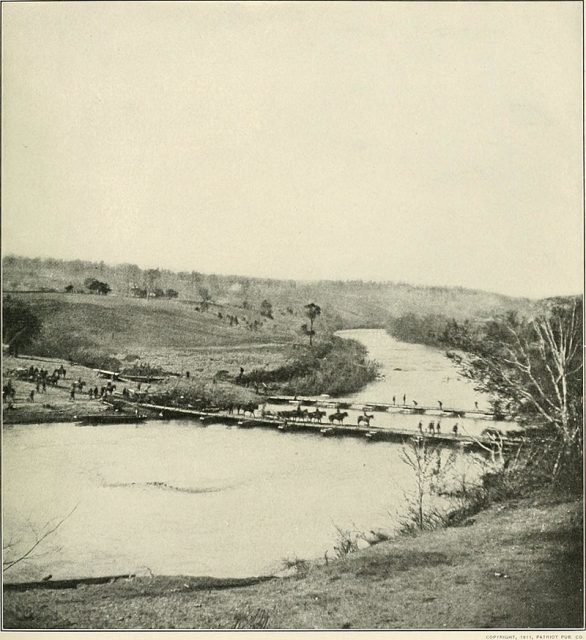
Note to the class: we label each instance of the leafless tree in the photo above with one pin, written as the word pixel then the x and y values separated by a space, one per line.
pixel 9 560
pixel 534 365
pixel 425 460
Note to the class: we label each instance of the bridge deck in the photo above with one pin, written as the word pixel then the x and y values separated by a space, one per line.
pixel 372 433
pixel 383 407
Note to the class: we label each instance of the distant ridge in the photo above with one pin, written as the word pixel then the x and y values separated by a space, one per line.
pixel 353 303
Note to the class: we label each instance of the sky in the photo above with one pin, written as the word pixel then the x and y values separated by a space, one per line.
pixel 430 143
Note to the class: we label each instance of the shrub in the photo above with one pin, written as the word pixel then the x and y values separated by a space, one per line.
pixel 20 325
pixel 333 366
pixel 199 393
pixel 346 543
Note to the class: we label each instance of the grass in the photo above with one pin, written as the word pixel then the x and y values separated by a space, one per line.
pixel 113 333
pixel 518 564
pixel 121 324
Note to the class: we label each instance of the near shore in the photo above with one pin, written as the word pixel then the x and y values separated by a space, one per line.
pixel 515 565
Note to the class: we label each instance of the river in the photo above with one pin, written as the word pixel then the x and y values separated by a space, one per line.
pixel 175 497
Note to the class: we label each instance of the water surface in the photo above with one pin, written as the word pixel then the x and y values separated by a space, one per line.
pixel 180 498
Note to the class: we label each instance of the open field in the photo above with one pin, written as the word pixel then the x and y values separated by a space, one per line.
pixel 179 335
pixel 108 331
pixel 517 564
pixel 124 324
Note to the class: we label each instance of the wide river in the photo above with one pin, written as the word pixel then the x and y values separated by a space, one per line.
pixel 180 498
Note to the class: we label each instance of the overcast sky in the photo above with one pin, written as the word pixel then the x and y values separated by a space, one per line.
pixel 433 143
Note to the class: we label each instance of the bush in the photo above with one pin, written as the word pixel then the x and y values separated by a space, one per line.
pixel 301 566
pixel 333 366
pixel 346 543
pixel 143 369
pixel 20 325
pixel 94 359
pixel 198 394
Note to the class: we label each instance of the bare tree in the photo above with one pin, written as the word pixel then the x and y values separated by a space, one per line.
pixel 206 298
pixel 132 276
pixel 425 460
pixel 9 561
pixel 534 366
pixel 152 277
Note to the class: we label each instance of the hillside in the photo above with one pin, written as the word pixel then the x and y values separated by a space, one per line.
pixel 210 323
pixel 348 304
pixel 113 331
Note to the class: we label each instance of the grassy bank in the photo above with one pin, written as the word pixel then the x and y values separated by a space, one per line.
pixel 516 564
pixel 332 366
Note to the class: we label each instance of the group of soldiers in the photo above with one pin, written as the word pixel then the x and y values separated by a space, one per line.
pixel 102 392
pixel 41 378
pixel 435 429
pixel 38 376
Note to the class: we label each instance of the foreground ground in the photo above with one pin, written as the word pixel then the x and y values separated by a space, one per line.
pixel 514 565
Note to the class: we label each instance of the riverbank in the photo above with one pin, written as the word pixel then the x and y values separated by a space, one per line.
pixel 514 565
pixel 55 403
pixel 334 366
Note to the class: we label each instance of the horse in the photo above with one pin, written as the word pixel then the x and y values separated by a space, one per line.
pixel 339 416
pixel 294 414
pixel 366 419
pixel 316 415
pixel 249 408
pixel 299 413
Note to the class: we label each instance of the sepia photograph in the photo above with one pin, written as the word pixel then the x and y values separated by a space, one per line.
pixel 292 317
